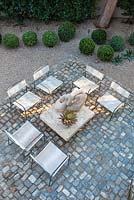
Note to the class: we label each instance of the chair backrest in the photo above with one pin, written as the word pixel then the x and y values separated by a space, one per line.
pixel 116 87
pixel 11 137
pixel 16 88
pixel 40 72
pixel 94 72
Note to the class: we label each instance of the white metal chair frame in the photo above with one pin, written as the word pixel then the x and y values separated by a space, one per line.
pixel 56 170
pixel 120 91
pixel 12 95
pixel 11 139
pixel 95 73
pixel 41 74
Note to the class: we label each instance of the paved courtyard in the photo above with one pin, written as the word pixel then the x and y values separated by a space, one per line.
pixel 102 161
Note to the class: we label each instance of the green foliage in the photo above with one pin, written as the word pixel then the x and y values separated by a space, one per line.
pixel 30 38
pixel 105 52
pixel 99 36
pixel 66 31
pixel 50 38
pixel 87 46
pixel 73 10
pixel 117 42
pixel 128 55
pixel 128 7
pixel 68 118
pixel 131 39
pixel 117 60
pixel 11 40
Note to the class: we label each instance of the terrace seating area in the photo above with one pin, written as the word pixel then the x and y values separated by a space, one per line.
pixel 94 162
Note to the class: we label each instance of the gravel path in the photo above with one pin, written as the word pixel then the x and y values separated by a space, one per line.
pixel 18 64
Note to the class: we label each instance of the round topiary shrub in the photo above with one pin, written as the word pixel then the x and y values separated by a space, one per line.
pixel 99 36
pixel 131 39
pixel 117 42
pixel 87 46
pixel 50 38
pixel 105 52
pixel 30 38
pixel 11 40
pixel 66 31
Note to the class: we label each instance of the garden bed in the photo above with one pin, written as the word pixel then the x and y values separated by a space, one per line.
pixel 17 64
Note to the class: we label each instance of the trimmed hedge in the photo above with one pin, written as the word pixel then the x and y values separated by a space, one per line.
pixel 11 40
pixel 99 36
pixel 117 42
pixel 128 7
pixel 105 52
pixel 73 10
pixel 50 38
pixel 66 31
pixel 87 46
pixel 29 38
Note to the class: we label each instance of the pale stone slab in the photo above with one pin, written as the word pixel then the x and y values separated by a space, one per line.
pixel 51 118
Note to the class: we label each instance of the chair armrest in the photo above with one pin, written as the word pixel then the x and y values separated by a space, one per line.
pixel 46 88
pixel 118 107
pixel 59 167
pixel 32 143
pixel 21 106
pixel 11 137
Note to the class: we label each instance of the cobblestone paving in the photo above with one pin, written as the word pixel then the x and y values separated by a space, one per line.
pixel 102 161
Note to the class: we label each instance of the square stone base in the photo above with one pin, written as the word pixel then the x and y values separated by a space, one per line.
pixel 51 118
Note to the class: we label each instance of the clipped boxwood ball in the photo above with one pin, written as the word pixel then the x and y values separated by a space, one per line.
pixel 66 31
pixel 30 38
pixel 87 46
pixel 105 52
pixel 117 42
pixel 11 40
pixel 50 38
pixel 131 39
pixel 99 36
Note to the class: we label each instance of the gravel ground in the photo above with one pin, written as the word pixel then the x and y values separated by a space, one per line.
pixel 18 64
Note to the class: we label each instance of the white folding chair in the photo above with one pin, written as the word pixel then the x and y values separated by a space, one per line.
pixel 25 137
pixel 26 101
pixel 110 102
pixel 51 159
pixel 87 85
pixel 49 84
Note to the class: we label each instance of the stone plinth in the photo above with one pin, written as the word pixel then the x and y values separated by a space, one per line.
pixel 51 118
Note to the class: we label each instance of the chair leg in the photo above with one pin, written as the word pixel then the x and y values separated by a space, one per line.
pixel 43 138
pixel 9 142
pixel 50 180
pixel 72 85
pixel 111 116
pixel 31 163
pixel 96 104
pixel 24 155
pixel 68 160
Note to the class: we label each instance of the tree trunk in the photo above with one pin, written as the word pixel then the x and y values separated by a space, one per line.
pixel 107 14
